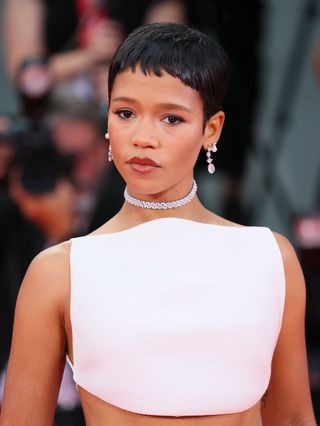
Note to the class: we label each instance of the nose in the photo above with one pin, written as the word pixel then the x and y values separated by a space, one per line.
pixel 145 135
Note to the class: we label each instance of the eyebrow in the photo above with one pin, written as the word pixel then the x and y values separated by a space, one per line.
pixel 164 105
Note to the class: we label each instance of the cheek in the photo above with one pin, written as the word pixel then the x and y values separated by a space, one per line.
pixel 118 135
pixel 119 147
pixel 182 157
pixel 189 145
pixel 188 155
pixel 120 151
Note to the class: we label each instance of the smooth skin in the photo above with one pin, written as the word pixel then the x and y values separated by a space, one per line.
pixel 162 119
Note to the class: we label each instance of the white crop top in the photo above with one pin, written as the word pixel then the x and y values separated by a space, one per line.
pixel 175 317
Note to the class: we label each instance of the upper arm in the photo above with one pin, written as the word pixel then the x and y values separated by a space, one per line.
pixel 38 348
pixel 288 401
pixel 23 23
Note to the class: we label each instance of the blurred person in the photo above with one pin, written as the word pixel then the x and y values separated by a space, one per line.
pixel 57 42
pixel 11 128
pixel 41 186
pixel 76 39
pixel 168 313
pixel 76 130
pixel 72 49
pixel 8 218
pixel 6 147
pixel 146 12
pixel 43 198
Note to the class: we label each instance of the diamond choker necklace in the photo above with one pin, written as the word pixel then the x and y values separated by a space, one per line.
pixel 163 205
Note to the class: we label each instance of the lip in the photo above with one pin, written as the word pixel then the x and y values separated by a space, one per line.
pixel 143 161
pixel 143 165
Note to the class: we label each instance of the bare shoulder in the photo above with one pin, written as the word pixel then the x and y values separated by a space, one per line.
pixel 52 257
pixel 212 218
pixel 286 248
pixel 287 399
pixel 47 277
pixel 54 260
pixel 293 272
pixel 37 356
pixel 295 287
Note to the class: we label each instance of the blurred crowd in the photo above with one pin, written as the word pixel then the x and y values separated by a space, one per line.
pixel 55 180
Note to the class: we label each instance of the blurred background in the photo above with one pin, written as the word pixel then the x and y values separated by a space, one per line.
pixel 56 182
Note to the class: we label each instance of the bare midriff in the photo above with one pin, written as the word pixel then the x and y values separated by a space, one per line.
pixel 100 413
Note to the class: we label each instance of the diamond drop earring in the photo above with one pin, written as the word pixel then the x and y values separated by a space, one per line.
pixel 110 158
pixel 211 148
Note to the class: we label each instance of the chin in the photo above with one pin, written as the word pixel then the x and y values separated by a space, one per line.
pixel 143 187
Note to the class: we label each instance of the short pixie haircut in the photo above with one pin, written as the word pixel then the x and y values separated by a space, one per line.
pixel 182 52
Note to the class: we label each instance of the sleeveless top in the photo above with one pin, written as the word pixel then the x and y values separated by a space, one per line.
pixel 176 318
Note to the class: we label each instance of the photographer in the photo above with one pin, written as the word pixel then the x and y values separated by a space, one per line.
pixel 76 39
pixel 41 194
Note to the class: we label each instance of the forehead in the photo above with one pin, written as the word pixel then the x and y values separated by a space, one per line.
pixel 154 89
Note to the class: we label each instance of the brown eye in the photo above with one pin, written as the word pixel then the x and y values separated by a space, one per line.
pixel 125 114
pixel 173 119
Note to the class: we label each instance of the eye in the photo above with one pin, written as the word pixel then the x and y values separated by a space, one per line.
pixel 124 114
pixel 173 119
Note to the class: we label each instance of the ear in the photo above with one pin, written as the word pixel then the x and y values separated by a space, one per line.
pixel 213 128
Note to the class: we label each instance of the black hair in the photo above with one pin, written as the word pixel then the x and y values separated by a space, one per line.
pixel 183 52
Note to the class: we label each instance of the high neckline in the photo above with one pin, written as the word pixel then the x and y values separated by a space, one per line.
pixel 170 219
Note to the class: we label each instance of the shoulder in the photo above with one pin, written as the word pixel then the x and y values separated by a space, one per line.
pixel 295 284
pixel 52 262
pixel 287 400
pixel 286 248
pixel 47 278
pixel 288 253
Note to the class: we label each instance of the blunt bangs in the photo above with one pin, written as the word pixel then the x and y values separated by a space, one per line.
pixel 180 51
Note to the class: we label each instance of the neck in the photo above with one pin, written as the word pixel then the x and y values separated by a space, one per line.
pixel 135 214
pixel 193 209
pixel 162 205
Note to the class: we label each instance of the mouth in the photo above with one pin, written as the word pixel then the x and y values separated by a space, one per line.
pixel 143 165
pixel 143 161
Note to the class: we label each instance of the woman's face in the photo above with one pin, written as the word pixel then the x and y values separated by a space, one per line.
pixel 156 132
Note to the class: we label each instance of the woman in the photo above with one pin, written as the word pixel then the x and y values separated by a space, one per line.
pixel 168 313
